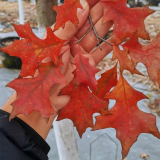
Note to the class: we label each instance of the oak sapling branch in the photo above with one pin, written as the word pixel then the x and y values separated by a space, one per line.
pixel 90 19
pixel 84 35
pixel 97 36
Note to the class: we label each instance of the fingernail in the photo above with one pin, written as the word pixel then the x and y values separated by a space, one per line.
pixel 84 5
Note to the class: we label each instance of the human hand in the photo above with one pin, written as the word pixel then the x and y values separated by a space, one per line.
pixel 35 120
pixel 95 9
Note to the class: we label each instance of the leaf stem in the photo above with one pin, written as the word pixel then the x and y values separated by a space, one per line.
pixel 95 31
pixel 84 35
pixel 105 41
pixel 92 27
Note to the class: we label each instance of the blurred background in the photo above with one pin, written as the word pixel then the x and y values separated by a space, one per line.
pixel 97 145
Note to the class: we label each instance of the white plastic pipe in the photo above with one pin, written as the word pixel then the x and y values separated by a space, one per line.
pixel 21 14
pixel 33 2
pixel 64 130
pixel 66 140
pixel 41 30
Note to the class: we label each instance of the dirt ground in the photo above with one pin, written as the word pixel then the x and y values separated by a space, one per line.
pixel 9 14
pixel 152 23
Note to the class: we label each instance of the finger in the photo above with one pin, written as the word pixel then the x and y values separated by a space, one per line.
pixel 55 89
pixel 90 41
pixel 69 30
pixel 92 2
pixel 65 59
pixel 76 49
pixel 98 55
pixel 96 13
pixel 60 102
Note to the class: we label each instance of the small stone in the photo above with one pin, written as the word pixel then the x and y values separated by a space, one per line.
pixel 144 156
pixel 5 83
pixel 11 90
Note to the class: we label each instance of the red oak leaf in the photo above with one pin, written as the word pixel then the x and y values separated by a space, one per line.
pixel 124 60
pixel 82 106
pixel 33 93
pixel 128 120
pixel 33 50
pixel 67 12
pixel 149 55
pixel 106 82
pixel 126 20
pixel 85 73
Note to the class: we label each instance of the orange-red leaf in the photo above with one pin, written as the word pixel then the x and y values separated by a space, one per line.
pixel 124 60
pixel 82 106
pixel 33 93
pixel 128 120
pixel 149 55
pixel 85 73
pixel 126 20
pixel 33 50
pixel 67 12
pixel 106 82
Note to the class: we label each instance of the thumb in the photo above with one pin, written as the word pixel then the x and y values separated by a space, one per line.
pixel 60 101
pixel 70 30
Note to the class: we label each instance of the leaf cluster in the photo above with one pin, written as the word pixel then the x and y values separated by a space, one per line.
pixel 89 96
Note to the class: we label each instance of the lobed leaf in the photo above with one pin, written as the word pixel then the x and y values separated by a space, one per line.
pixel 149 55
pixel 67 12
pixel 128 120
pixel 85 73
pixel 106 82
pixel 33 93
pixel 124 61
pixel 82 106
pixel 33 50
pixel 126 20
